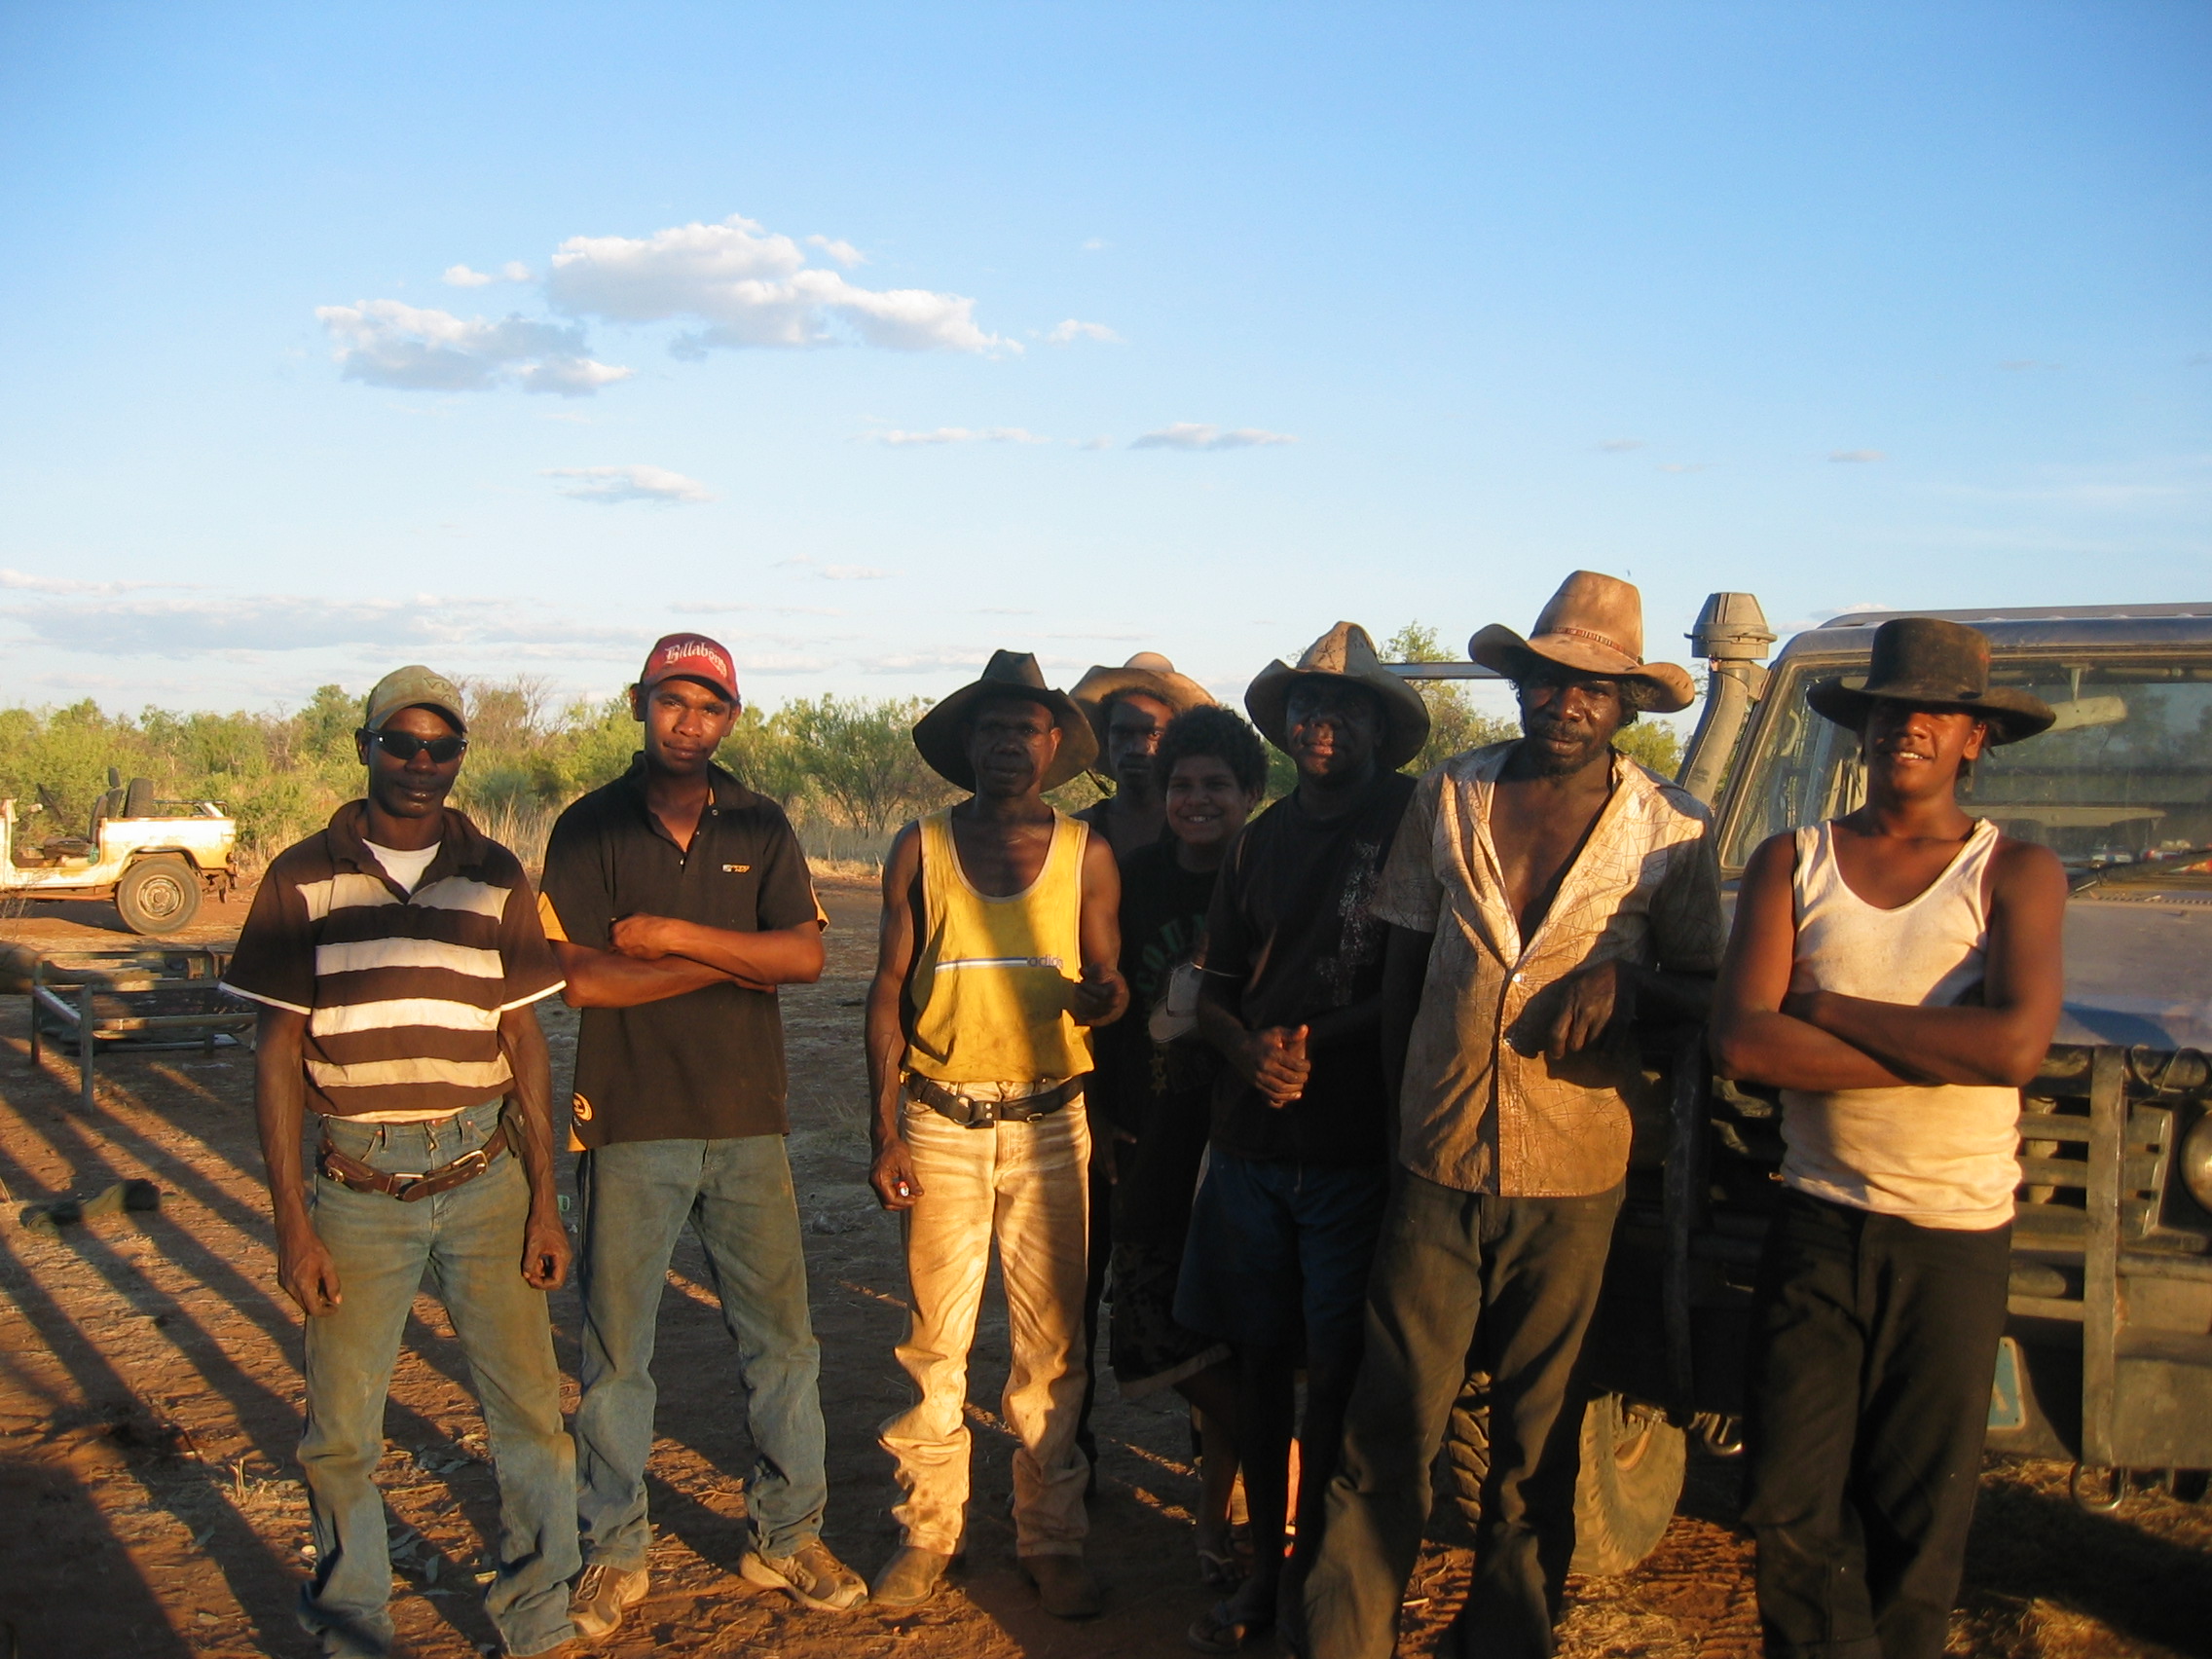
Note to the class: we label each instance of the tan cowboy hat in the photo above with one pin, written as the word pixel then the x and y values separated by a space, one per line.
pixel 1149 674
pixel 941 734
pixel 1343 652
pixel 1931 663
pixel 1593 625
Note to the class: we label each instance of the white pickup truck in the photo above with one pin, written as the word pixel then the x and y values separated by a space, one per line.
pixel 154 859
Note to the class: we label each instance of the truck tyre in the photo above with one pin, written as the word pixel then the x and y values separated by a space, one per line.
pixel 1632 1478
pixel 1632 1475
pixel 158 895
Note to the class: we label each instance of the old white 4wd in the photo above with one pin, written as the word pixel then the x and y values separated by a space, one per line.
pixel 154 858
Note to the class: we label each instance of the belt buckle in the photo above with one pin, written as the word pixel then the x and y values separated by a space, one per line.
pixel 473 1161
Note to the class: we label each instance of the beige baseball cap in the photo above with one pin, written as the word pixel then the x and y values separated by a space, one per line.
pixel 413 687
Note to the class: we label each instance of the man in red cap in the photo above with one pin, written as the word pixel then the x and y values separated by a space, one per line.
pixel 678 901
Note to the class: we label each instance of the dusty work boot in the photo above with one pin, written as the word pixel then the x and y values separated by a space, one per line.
pixel 813 1575
pixel 910 1577
pixel 596 1603
pixel 1065 1588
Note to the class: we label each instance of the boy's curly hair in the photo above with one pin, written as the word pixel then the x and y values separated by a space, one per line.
pixel 1219 735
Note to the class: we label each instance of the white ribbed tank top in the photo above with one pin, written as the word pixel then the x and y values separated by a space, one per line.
pixel 1940 1157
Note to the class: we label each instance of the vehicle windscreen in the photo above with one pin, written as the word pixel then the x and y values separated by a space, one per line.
pixel 2124 777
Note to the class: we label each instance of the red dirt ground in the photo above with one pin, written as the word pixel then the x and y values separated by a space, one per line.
pixel 149 1404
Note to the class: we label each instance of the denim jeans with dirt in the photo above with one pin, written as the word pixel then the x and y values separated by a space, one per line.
pixel 469 1241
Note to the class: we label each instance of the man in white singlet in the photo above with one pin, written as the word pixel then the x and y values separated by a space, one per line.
pixel 998 953
pixel 1896 973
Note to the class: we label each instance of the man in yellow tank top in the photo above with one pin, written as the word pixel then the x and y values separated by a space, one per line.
pixel 998 952
pixel 1891 972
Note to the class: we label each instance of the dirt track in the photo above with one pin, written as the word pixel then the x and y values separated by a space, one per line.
pixel 149 1405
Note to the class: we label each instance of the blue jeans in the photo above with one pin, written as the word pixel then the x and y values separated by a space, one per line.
pixel 636 1197
pixel 469 1239
pixel 1278 1253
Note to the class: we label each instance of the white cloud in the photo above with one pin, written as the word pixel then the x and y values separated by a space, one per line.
pixel 233 625
pixel 1685 467
pixel 634 483
pixel 855 573
pixel 1095 444
pixel 389 343
pixel 1857 456
pixel 1620 446
pixel 843 252
pixel 25 582
pixel 750 287
pixel 1190 435
pixel 959 435
pixel 1096 244
pixel 460 276
pixel 1070 331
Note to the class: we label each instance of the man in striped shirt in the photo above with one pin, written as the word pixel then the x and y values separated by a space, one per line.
pixel 395 955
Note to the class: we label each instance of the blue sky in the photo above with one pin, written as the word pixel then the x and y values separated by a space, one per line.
pixel 1220 322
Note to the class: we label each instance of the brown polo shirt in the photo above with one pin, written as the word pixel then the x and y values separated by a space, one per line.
pixel 404 991
pixel 709 1064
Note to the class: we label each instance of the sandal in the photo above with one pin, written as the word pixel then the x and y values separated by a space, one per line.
pixel 1220 1630
pixel 1220 1565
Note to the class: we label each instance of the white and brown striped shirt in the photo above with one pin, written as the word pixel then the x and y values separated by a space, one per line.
pixel 404 991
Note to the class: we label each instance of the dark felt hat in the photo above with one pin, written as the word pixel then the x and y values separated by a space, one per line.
pixel 1934 664
pixel 941 734
pixel 1344 652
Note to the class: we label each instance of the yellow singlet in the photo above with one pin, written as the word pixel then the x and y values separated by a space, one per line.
pixel 992 975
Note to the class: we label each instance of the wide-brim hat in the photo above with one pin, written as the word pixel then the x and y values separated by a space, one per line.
pixel 1148 674
pixel 1343 652
pixel 1931 663
pixel 1593 625
pixel 941 733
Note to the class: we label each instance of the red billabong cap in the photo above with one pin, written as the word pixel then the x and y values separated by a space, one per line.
pixel 689 656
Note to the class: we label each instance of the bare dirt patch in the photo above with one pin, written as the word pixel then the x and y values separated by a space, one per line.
pixel 149 1402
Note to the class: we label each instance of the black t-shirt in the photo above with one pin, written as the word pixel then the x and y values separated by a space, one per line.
pixel 1159 1092
pixel 709 1064
pixel 1290 933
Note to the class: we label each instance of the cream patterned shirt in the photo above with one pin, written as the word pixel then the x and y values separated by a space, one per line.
pixel 1483 1111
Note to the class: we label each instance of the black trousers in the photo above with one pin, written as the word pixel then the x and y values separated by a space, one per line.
pixel 1519 1277
pixel 1873 1347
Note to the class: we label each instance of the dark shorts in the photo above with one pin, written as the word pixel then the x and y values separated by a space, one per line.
pixel 1278 1253
pixel 1150 1349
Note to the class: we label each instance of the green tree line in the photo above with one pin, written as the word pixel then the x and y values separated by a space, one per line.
pixel 843 766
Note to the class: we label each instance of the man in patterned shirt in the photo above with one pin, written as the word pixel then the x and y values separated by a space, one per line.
pixel 395 955
pixel 1540 893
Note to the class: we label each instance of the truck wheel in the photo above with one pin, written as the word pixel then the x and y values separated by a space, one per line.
pixel 158 895
pixel 1632 1478
pixel 1466 1448
pixel 1632 1475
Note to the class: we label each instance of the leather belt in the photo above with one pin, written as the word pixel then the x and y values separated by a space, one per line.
pixel 408 1188
pixel 973 1113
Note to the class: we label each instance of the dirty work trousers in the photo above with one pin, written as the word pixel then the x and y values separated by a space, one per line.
pixel 1464 1281
pixel 635 1197
pixel 1874 1344
pixel 1021 1186
pixel 468 1239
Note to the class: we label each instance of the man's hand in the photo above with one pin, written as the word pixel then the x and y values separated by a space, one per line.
pixel 893 1176
pixel 1099 996
pixel 306 1270
pixel 1274 1062
pixel 545 1249
pixel 1591 1001
pixel 646 937
pixel 1121 1138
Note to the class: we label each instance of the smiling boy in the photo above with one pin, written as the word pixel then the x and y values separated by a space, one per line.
pixel 1896 973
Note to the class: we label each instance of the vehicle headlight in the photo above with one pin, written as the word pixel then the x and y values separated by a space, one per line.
pixel 2196 1160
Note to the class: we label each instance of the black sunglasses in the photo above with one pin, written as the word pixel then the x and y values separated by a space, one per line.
pixel 404 745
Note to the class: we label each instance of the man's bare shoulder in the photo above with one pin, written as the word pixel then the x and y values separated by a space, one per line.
pixel 2027 867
